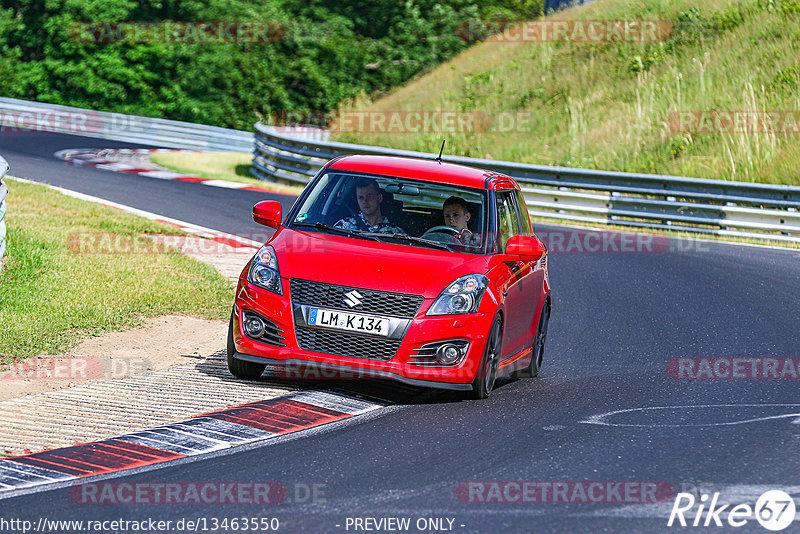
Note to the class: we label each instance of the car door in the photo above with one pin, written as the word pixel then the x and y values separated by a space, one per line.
pixel 535 272
pixel 522 287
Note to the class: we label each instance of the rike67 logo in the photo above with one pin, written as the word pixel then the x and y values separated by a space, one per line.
pixel 774 510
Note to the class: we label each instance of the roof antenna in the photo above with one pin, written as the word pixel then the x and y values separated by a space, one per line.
pixel 439 159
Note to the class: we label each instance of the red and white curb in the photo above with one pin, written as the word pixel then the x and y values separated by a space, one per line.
pixel 95 157
pixel 231 240
pixel 255 421
pixel 251 422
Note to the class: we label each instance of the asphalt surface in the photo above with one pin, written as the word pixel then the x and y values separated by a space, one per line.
pixel 617 319
pixel 30 155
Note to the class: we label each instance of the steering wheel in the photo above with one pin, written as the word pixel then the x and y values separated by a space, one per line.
pixel 454 234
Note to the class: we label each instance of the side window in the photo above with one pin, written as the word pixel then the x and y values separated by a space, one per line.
pixel 507 220
pixel 524 218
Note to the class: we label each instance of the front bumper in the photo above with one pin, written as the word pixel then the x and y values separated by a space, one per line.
pixel 305 369
pixel 291 361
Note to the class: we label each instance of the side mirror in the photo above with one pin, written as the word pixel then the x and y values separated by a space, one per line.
pixel 528 247
pixel 268 213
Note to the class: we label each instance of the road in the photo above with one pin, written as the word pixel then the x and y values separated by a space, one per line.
pixel 30 155
pixel 618 318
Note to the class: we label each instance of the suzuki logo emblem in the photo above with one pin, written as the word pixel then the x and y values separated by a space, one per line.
pixel 353 298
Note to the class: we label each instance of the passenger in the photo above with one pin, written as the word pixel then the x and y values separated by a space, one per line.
pixel 370 219
pixel 456 215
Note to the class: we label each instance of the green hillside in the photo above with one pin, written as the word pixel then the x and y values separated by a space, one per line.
pixel 608 106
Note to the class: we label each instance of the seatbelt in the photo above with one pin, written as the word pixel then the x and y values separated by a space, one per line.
pixel 361 224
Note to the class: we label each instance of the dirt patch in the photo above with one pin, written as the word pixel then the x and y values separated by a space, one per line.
pixel 160 343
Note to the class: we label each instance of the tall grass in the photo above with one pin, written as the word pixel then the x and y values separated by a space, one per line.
pixel 607 106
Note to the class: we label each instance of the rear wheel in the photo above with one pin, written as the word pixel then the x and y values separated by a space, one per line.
pixel 240 368
pixel 538 346
pixel 483 384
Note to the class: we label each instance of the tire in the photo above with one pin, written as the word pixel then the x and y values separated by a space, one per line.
pixel 483 384
pixel 538 346
pixel 240 368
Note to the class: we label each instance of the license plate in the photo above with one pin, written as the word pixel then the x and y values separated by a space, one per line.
pixel 354 322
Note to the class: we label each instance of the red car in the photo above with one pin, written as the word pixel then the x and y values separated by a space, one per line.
pixel 413 270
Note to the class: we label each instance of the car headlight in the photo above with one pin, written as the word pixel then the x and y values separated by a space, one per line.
pixel 462 296
pixel 264 270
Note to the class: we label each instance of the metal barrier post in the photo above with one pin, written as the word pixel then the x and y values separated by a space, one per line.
pixel 3 193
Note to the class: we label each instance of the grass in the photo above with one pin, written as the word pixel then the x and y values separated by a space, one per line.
pixel 606 106
pixel 52 295
pixel 231 166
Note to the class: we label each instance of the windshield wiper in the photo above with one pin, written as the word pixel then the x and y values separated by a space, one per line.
pixel 413 239
pixel 329 228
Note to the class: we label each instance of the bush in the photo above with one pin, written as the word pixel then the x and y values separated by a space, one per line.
pixel 327 52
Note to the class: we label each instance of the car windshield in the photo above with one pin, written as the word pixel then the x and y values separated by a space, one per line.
pixel 395 210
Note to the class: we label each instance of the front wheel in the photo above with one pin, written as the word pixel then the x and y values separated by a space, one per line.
pixel 240 368
pixel 483 384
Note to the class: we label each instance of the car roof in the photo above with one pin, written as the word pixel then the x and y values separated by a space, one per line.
pixel 420 169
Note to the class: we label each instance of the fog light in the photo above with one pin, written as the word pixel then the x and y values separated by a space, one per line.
pixel 440 353
pixel 448 354
pixel 254 326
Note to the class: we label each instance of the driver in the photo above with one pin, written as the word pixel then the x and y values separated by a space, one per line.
pixel 456 215
pixel 370 218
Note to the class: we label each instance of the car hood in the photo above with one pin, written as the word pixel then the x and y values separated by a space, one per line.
pixel 370 264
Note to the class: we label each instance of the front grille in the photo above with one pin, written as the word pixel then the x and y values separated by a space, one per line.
pixel 344 344
pixel 332 296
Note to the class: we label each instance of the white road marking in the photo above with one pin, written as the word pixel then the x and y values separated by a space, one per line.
pixel 602 419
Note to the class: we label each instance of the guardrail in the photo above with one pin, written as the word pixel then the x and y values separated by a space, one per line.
pixel 590 196
pixel 3 193
pixel 24 115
